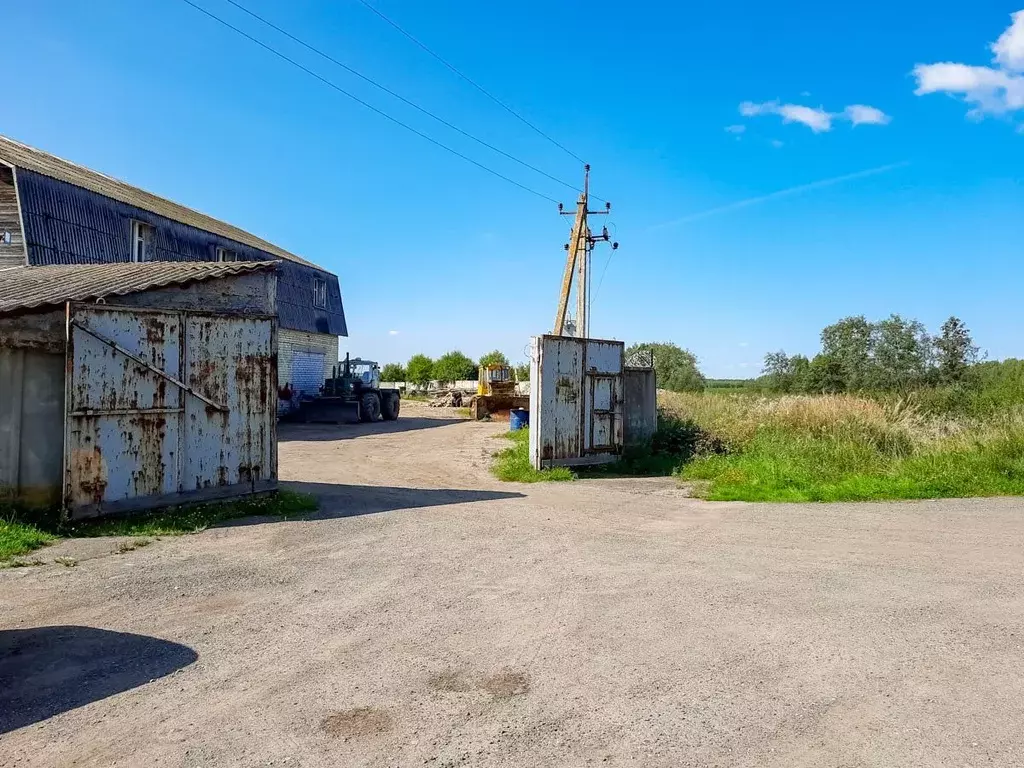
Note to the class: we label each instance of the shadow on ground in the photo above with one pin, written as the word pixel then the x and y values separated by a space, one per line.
pixel 291 431
pixel 353 500
pixel 48 670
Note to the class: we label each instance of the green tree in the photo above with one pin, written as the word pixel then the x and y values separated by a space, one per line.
pixel 493 358
pixel 848 343
pixel 392 372
pixel 454 366
pixel 954 350
pixel 901 353
pixel 784 373
pixel 419 370
pixel 675 367
pixel 824 375
pixel 523 372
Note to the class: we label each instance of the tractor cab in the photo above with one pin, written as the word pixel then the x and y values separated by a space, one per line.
pixel 366 372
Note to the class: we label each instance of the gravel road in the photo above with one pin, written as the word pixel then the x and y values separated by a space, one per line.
pixel 431 615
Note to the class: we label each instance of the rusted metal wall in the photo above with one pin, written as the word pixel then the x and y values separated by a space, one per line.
pixel 575 401
pixel 167 406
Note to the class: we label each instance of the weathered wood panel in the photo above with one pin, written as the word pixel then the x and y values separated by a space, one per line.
pixel 12 240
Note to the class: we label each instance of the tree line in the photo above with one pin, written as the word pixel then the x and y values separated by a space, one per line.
pixel 894 354
pixel 676 368
pixel 449 367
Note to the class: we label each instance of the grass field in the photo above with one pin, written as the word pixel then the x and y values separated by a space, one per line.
pixel 843 447
pixel 797 448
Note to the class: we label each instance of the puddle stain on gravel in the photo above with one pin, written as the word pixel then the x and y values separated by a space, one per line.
pixel 501 685
pixel 506 684
pixel 361 721
pixel 449 682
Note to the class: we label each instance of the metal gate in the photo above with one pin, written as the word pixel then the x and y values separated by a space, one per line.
pixel 575 401
pixel 167 406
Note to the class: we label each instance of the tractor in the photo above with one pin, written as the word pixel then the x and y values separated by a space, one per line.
pixel 354 387
pixel 495 393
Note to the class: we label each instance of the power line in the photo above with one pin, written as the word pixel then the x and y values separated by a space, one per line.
pixel 398 96
pixel 480 88
pixel 369 106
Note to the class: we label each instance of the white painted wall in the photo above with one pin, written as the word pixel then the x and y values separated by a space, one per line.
pixel 305 359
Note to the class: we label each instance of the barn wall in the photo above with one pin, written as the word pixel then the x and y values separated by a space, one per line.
pixel 66 224
pixel 254 292
pixel 304 360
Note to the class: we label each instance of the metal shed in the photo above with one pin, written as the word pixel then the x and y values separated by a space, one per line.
pixel 130 386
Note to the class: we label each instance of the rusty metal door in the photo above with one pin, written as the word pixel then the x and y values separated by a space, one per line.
pixel 166 406
pixel 575 401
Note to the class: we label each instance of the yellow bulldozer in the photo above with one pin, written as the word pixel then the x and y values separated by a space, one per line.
pixel 496 393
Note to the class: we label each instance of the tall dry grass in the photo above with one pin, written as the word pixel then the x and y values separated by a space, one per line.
pixel 893 427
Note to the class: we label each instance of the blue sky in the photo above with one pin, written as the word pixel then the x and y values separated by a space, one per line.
pixel 902 182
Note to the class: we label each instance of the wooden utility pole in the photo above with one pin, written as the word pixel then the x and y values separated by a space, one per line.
pixel 578 250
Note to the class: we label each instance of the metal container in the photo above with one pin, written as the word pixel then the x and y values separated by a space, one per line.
pixel 518 418
pixel 575 401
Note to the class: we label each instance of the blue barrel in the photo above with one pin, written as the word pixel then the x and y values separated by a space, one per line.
pixel 518 418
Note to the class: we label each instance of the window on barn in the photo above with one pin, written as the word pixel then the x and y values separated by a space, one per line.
pixel 226 254
pixel 319 293
pixel 142 242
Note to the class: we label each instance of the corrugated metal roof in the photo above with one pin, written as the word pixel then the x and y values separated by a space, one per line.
pixel 23 156
pixel 28 287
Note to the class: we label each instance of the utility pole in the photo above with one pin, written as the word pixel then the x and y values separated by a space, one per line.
pixel 578 250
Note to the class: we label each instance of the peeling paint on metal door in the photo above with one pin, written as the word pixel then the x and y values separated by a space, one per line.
pixel 167 406
pixel 232 361
pixel 122 421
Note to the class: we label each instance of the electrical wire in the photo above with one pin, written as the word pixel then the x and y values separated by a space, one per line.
pixel 375 84
pixel 480 88
pixel 608 261
pixel 369 106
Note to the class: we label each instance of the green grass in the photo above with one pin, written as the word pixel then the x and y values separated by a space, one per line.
pixel 19 539
pixel 35 530
pixel 784 467
pixel 845 448
pixel 513 463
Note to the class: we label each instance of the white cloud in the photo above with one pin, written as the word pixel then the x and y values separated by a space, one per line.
pixel 1009 48
pixel 862 114
pixel 392 333
pixel 776 143
pixel 744 343
pixel 735 128
pixel 818 119
pixel 994 90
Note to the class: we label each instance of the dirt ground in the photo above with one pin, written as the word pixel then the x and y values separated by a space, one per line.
pixel 432 616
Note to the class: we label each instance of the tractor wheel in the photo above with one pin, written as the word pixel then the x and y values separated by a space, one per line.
pixel 369 407
pixel 390 405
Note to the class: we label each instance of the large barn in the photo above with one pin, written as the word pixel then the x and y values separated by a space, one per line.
pixel 53 211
